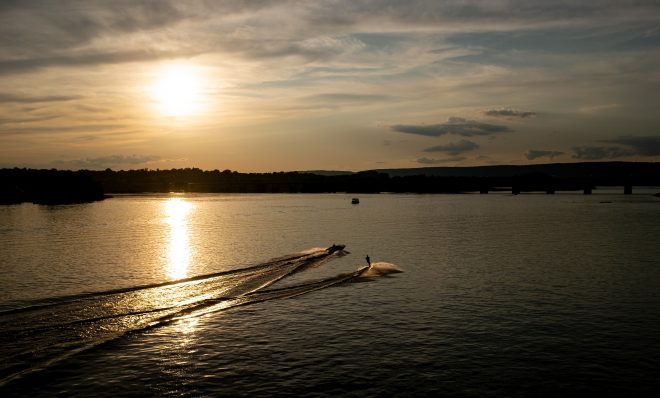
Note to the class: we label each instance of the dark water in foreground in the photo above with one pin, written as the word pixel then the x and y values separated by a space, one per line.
pixel 501 296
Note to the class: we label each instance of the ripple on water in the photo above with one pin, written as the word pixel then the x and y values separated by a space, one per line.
pixel 502 296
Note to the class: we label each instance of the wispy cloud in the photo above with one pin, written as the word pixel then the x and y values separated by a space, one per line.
pixel 26 99
pixel 86 59
pixel 427 161
pixel 598 108
pixel 346 97
pixel 455 126
pixel 105 161
pixel 48 26
pixel 62 130
pixel 628 146
pixel 645 146
pixel 509 113
pixel 454 148
pixel 600 152
pixel 538 153
pixel 24 120
pixel 278 68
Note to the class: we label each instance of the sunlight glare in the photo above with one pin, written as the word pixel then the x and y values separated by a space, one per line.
pixel 187 326
pixel 178 90
pixel 179 253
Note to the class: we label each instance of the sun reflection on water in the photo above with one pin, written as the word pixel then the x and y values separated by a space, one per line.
pixel 187 326
pixel 179 253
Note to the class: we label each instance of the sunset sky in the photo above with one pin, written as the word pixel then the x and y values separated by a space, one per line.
pixel 340 85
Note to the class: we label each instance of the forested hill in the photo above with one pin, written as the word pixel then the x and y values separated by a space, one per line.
pixel 63 186
pixel 605 171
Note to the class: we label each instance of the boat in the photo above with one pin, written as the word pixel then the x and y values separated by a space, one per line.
pixel 355 201
pixel 335 248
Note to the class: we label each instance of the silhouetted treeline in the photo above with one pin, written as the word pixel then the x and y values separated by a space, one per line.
pixel 48 187
pixel 53 186
pixel 521 178
pixel 197 180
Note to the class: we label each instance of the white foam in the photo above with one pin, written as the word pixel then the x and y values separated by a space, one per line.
pixel 381 269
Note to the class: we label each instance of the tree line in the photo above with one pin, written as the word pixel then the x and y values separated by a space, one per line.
pixel 53 186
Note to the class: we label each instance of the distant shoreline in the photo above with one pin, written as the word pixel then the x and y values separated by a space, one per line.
pixel 66 187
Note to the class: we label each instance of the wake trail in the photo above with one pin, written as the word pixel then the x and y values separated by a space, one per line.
pixel 36 337
pixel 54 301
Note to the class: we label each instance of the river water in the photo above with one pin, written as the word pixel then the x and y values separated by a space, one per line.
pixel 235 295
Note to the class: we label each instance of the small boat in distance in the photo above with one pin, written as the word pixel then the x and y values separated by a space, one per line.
pixel 355 201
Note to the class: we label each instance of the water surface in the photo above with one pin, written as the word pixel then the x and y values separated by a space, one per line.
pixel 500 295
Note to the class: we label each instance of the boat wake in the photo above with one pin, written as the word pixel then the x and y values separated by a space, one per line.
pixel 36 337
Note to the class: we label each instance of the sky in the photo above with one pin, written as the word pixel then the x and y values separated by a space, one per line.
pixel 258 86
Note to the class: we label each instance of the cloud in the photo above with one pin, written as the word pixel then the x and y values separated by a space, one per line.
pixel 598 108
pixel 450 15
pixel 509 113
pixel 645 145
pixel 54 26
pixel 49 129
pixel 417 59
pixel 454 148
pixel 346 97
pixel 312 47
pixel 629 146
pixel 22 99
pixel 97 58
pixel 65 33
pixel 537 153
pixel 425 160
pixel 104 161
pixel 455 126
pixel 599 152
pixel 23 120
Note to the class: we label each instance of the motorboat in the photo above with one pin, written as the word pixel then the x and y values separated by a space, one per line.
pixel 335 248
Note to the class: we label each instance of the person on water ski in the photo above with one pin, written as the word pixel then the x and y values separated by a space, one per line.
pixel 368 260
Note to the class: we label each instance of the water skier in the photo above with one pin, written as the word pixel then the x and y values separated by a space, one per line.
pixel 368 260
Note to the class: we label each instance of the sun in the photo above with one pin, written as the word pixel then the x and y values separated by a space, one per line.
pixel 178 90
